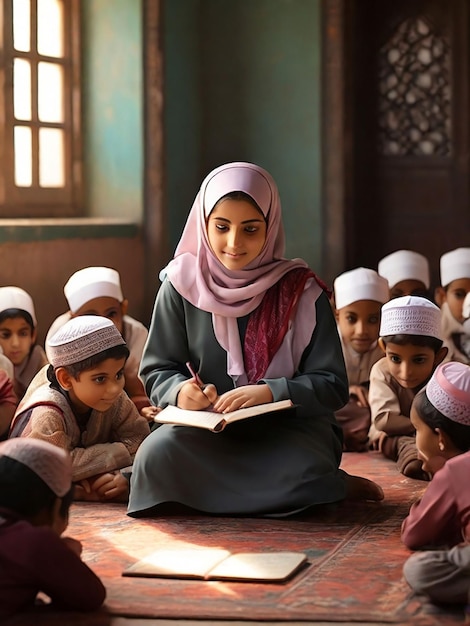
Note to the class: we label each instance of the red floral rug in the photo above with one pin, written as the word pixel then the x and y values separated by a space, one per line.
pixel 355 560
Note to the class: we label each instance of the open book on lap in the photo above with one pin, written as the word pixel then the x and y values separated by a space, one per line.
pixel 216 564
pixel 217 421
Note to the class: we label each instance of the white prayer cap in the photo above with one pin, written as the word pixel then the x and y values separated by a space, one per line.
pixel 52 464
pixel 449 391
pixel 410 315
pixel 16 298
pixel 361 283
pixel 90 283
pixel 81 338
pixel 404 265
pixel 454 265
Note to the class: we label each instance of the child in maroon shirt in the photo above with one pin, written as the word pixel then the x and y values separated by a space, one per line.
pixel 438 525
pixel 35 495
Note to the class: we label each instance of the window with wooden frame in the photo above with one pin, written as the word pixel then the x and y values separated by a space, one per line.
pixel 40 156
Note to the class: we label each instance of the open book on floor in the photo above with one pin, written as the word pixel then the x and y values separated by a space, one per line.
pixel 217 421
pixel 216 564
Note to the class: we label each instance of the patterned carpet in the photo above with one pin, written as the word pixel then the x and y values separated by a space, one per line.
pixel 355 560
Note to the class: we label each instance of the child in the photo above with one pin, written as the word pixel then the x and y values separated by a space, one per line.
pixel 18 337
pixel 8 399
pixel 407 273
pixel 97 291
pixel 439 522
pixel 83 408
pixel 455 282
pixel 359 295
pixel 258 328
pixel 35 496
pixel 410 336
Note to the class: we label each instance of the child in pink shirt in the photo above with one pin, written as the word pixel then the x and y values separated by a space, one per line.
pixel 439 523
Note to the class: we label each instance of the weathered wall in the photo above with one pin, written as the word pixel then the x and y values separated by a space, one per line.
pixel 42 269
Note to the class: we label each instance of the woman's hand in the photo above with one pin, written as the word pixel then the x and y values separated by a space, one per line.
pixel 193 397
pixel 242 397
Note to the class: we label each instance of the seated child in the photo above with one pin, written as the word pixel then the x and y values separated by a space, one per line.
pixel 97 291
pixel 407 273
pixel 439 523
pixel 35 496
pixel 359 295
pixel 455 282
pixel 79 404
pixel 410 336
pixel 18 337
pixel 8 399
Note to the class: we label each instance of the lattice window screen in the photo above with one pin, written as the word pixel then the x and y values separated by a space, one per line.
pixel 415 92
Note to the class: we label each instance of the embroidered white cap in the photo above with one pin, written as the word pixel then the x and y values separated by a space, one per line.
pixel 449 391
pixel 410 315
pixel 17 298
pixel 361 283
pixel 52 464
pixel 454 265
pixel 92 282
pixel 81 338
pixel 404 265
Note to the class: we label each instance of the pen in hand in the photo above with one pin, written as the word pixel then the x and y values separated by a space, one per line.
pixel 208 390
pixel 194 374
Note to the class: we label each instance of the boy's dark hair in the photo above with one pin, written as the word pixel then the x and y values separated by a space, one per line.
pixel 422 341
pixel 10 314
pixel 24 493
pixel 458 433
pixel 75 369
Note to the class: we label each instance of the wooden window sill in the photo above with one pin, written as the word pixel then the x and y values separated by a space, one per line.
pixel 47 229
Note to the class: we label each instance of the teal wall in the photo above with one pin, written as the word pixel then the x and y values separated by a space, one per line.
pixel 183 107
pixel 243 83
pixel 112 108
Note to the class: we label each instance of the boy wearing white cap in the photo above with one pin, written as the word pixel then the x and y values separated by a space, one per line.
pixel 455 282
pixel 410 337
pixel 18 336
pixel 359 295
pixel 441 415
pixel 407 273
pixel 35 496
pixel 97 291
pixel 79 404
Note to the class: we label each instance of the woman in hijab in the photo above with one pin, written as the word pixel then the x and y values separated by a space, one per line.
pixel 258 328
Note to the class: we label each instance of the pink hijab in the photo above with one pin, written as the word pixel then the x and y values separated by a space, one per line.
pixel 200 278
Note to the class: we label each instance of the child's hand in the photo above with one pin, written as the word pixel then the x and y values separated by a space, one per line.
pixel 111 486
pixel 192 397
pixel 84 492
pixel 360 395
pixel 73 544
pixel 242 397
pixel 149 412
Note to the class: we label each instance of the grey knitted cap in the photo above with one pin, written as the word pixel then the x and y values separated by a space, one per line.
pixel 51 463
pixel 81 338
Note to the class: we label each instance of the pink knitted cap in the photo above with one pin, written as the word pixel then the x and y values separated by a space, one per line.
pixel 449 391
pixel 51 463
